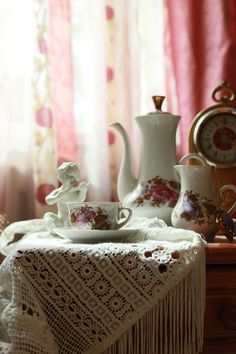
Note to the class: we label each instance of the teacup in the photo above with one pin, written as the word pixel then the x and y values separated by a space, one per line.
pixel 98 215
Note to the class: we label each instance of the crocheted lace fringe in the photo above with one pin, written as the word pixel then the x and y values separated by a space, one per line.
pixel 175 325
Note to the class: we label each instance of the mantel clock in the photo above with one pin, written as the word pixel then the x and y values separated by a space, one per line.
pixel 213 135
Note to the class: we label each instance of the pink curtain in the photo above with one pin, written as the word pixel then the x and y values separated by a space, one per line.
pixel 201 43
pixel 62 79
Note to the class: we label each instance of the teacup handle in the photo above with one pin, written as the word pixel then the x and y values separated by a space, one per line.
pixel 233 188
pixel 192 156
pixel 121 209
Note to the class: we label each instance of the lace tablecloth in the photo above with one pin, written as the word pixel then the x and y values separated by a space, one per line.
pixel 143 297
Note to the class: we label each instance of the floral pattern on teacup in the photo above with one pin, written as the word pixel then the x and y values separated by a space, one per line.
pixel 158 191
pixel 90 218
pixel 197 209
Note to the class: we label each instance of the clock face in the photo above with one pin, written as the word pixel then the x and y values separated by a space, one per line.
pixel 215 137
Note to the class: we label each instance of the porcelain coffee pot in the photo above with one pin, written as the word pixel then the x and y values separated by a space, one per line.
pixel 198 205
pixel 155 191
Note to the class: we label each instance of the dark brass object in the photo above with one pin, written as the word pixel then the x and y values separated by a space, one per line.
pixel 226 92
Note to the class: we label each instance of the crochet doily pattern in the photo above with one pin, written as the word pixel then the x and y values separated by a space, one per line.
pixel 136 297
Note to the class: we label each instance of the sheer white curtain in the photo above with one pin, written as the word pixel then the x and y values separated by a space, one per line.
pixel 117 60
pixel 16 124
pixel 89 55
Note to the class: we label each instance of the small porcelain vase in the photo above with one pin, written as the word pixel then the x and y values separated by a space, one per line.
pixel 198 203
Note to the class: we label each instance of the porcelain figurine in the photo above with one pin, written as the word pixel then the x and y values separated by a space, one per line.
pixel 155 191
pixel 70 190
pixel 198 206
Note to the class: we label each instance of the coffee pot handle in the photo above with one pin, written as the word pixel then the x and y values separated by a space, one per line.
pixel 232 209
pixel 192 156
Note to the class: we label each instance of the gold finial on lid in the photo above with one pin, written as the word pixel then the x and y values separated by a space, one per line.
pixel 158 100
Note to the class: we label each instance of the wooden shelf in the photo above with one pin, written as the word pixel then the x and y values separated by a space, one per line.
pixel 221 251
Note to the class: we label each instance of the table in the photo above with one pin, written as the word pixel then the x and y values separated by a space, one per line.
pixel 133 297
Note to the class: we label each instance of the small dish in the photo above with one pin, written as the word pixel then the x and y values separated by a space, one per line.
pixel 96 236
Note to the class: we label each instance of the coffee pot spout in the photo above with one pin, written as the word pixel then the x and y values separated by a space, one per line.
pixel 126 181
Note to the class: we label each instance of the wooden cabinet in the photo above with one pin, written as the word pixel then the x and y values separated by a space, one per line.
pixel 220 314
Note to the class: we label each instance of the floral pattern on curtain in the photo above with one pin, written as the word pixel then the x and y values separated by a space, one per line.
pixel 55 139
pixel 44 149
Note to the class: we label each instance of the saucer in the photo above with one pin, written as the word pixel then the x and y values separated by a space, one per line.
pixel 96 236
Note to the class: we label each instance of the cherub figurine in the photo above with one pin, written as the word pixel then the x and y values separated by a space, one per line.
pixel 71 190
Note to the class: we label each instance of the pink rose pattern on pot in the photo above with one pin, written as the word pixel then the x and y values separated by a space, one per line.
pixel 87 217
pixel 159 192
pixel 197 209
